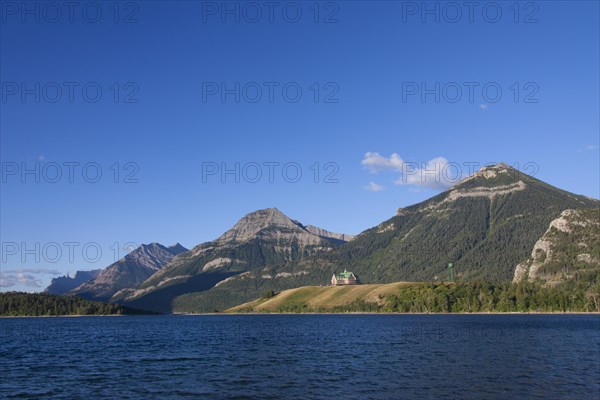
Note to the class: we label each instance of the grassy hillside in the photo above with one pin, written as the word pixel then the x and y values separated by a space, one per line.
pixel 323 297
pixel 421 297
pixel 249 285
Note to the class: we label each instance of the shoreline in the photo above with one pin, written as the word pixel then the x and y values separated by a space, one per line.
pixel 67 316
pixel 396 313
pixel 307 313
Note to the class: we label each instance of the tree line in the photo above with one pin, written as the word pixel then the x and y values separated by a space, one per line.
pixel 15 304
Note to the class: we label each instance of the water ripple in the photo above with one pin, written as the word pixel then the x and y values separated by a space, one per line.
pixel 302 356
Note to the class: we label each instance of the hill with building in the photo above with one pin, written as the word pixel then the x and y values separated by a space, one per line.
pixel 422 297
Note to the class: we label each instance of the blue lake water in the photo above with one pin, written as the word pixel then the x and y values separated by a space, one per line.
pixel 302 356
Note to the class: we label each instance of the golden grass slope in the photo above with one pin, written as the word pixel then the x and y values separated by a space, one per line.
pixel 323 297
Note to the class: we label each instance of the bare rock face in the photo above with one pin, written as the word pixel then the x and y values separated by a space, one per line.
pixel 491 173
pixel 153 255
pixel 570 244
pixel 129 271
pixel 271 223
pixel 251 224
pixel 328 235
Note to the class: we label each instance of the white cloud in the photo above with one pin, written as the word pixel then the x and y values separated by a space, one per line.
pixel 24 277
pixel 373 187
pixel 483 106
pixel 375 162
pixel 436 173
pixel 592 147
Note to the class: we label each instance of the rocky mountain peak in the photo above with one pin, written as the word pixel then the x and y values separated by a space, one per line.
pixel 253 223
pixel 492 174
pixel 128 272
pixel 177 248
pixel 500 165
pixel 153 255
pixel 256 221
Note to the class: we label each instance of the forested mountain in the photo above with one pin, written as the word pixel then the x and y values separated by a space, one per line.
pixel 486 224
pixel 568 250
pixel 259 240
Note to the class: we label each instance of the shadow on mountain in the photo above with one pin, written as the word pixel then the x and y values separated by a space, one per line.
pixel 161 300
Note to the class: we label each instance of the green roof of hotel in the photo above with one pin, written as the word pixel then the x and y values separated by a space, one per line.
pixel 344 275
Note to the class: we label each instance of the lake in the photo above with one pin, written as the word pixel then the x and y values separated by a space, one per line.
pixel 302 356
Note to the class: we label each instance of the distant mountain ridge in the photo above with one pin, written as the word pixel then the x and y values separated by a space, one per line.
pixel 128 272
pixel 64 284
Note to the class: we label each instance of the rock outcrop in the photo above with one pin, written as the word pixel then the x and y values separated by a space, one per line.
pixel 570 245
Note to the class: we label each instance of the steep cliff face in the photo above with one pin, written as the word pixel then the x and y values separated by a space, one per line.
pixel 128 272
pixel 569 249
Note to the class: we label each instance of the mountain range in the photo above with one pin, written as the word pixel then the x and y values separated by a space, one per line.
pixel 130 271
pixel 260 239
pixel 486 225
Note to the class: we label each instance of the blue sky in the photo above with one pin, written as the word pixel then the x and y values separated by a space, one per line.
pixel 190 88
